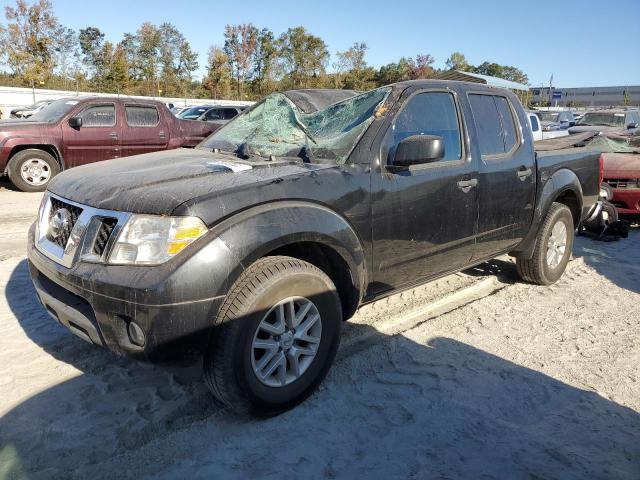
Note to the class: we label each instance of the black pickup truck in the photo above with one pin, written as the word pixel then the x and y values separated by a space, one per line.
pixel 248 252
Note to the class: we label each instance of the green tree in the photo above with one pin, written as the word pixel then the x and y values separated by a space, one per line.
pixel 352 70
pixel 32 41
pixel 218 78
pixel 91 41
pixel 457 61
pixel 240 43
pixel 263 61
pixel 176 60
pixel 302 56
pixel 502 71
pixel 396 72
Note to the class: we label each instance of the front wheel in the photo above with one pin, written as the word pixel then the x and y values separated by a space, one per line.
pixel 552 250
pixel 31 170
pixel 277 335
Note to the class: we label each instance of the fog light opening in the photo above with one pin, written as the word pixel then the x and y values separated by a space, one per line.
pixel 136 335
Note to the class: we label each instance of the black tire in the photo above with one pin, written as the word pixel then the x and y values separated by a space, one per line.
pixel 50 168
pixel 228 366
pixel 536 269
pixel 612 212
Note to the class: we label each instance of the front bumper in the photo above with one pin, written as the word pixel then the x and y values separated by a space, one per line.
pixel 627 200
pixel 174 304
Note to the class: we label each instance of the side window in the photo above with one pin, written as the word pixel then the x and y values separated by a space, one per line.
pixel 508 124
pixel 213 114
pixel 142 115
pixel 494 123
pixel 99 116
pixel 534 123
pixel 229 113
pixel 429 113
pixel 487 120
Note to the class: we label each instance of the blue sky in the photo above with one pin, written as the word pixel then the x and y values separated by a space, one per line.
pixel 582 43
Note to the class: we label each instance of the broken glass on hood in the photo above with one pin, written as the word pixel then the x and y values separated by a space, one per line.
pixel 276 126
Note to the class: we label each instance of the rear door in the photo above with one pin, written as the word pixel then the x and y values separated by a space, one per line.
pixel 507 174
pixel 144 129
pixel 424 218
pixel 97 139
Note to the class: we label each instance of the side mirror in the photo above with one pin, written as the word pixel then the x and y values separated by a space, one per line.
pixel 75 122
pixel 632 125
pixel 418 149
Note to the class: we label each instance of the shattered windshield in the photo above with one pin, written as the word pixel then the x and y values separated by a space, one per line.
pixel 54 111
pixel 603 119
pixel 276 126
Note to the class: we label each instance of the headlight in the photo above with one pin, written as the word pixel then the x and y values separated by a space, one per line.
pixel 151 239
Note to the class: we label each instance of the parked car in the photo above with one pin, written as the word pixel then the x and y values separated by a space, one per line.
pixel 221 114
pixel 79 130
pixel 614 120
pixel 26 112
pixel 622 174
pixel 247 253
pixel 177 110
pixel 556 120
pixel 538 132
pixel 578 116
pixel 193 113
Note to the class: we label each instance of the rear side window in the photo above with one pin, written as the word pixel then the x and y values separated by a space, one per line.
pixel 485 115
pixel 534 123
pixel 508 124
pixel 494 123
pixel 214 114
pixel 99 116
pixel 142 115
pixel 229 113
pixel 430 113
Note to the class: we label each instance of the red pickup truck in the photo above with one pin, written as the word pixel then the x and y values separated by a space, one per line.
pixel 78 130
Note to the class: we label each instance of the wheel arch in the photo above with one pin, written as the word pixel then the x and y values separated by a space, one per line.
pixel 45 147
pixel 302 230
pixel 562 187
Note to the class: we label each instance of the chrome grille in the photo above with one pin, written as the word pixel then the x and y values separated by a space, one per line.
pixel 624 182
pixel 103 235
pixel 74 212
pixel 88 234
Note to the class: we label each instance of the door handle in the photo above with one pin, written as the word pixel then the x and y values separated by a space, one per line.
pixel 523 173
pixel 466 185
pixel 113 135
pixel 162 135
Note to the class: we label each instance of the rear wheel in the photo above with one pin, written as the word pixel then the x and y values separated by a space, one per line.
pixel 31 170
pixel 552 250
pixel 278 334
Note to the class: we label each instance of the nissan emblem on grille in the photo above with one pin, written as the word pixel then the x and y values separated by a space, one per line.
pixel 59 223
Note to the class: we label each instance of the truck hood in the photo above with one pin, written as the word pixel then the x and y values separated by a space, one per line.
pixel 157 183
pixel 12 125
pixel 621 165
pixel 592 128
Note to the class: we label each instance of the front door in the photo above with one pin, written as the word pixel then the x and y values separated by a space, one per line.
pixel 424 218
pixel 97 139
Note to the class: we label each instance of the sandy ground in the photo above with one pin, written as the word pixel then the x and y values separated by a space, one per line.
pixel 475 376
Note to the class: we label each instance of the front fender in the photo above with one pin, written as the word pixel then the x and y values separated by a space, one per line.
pixel 556 185
pixel 31 141
pixel 254 233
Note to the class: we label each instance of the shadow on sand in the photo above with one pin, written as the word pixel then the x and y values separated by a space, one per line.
pixel 618 261
pixel 397 409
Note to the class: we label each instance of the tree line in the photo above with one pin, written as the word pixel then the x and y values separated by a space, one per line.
pixel 157 60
